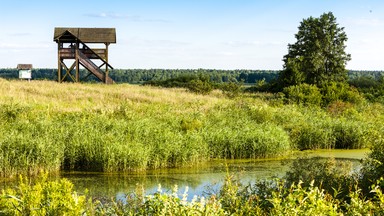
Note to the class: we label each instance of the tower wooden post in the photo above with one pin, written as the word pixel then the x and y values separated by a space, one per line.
pixel 77 61
pixel 59 67
pixel 106 60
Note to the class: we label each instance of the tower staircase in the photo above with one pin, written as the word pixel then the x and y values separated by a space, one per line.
pixel 93 68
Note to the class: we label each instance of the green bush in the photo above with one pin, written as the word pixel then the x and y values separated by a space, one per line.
pixel 303 94
pixel 231 89
pixel 338 91
pixel 180 81
pixel 274 197
pixel 328 174
pixel 373 165
pixel 200 87
pixel 198 83
pixel 42 198
pixel 372 88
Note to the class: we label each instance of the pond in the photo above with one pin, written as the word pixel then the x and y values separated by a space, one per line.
pixel 200 178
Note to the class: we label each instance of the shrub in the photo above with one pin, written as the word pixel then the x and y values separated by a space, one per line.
pixel 329 174
pixel 200 87
pixel 180 81
pixel 301 200
pixel 373 165
pixel 303 94
pixel 340 108
pixel 231 89
pixel 338 91
pixel 43 198
pixel 274 197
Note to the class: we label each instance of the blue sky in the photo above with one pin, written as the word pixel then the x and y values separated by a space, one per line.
pixel 216 34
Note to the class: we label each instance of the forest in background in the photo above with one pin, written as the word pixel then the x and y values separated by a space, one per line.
pixel 135 76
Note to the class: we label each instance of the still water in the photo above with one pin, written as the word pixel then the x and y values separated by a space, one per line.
pixel 207 177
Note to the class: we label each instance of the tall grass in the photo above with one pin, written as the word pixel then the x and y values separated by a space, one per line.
pixel 121 128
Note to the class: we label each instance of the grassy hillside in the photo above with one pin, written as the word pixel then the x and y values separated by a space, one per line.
pixel 113 128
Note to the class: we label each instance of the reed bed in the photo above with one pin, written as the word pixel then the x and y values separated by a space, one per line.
pixel 121 128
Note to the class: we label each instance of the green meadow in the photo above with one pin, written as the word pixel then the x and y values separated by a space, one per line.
pixel 47 126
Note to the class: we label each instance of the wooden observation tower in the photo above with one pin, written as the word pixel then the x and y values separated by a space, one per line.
pixel 72 47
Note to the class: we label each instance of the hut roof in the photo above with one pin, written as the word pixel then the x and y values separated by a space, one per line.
pixel 24 66
pixel 86 35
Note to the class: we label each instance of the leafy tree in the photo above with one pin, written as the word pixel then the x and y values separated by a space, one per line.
pixel 318 54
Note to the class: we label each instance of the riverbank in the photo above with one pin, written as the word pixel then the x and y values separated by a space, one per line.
pixel 197 178
pixel 232 196
pixel 123 128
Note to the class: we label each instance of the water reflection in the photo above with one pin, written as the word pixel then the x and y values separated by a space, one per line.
pixel 205 177
pixel 199 179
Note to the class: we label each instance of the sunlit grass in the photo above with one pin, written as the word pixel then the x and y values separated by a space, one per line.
pixel 121 128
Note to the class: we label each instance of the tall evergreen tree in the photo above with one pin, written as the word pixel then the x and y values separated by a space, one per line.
pixel 318 54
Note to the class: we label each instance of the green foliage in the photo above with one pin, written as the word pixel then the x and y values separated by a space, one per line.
pixel 42 198
pixel 373 166
pixel 191 124
pixel 10 112
pixel 351 134
pixel 247 140
pixel 298 200
pixel 123 128
pixel 175 78
pixel 303 94
pixel 360 205
pixel 338 91
pixel 180 81
pixel 275 197
pixel 372 87
pixel 316 134
pixel 318 54
pixel 199 86
pixel 231 89
pixel 292 74
pixel 327 93
pixel 195 83
pixel 28 147
pixel 329 174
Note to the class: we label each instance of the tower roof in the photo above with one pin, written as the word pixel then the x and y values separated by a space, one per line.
pixel 86 35
pixel 24 66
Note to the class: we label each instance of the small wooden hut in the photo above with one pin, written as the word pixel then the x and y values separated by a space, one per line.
pixel 72 45
pixel 25 71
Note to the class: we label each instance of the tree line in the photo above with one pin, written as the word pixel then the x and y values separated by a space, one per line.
pixel 136 76
pixel 144 75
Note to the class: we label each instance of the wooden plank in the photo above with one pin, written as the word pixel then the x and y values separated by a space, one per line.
pixel 68 53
